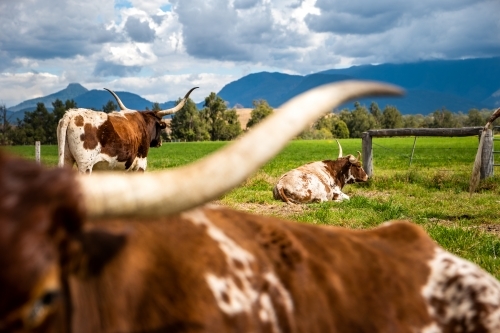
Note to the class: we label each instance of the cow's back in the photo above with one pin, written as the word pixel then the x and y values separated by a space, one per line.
pixel 216 270
pixel 308 183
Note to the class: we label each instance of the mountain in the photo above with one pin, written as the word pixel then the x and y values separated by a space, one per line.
pixel 70 92
pixel 457 85
pixel 84 98
pixel 273 87
pixel 98 98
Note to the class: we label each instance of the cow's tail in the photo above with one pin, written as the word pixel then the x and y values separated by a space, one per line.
pixel 61 138
pixel 279 193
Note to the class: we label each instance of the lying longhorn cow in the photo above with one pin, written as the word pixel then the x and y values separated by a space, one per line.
pixel 119 140
pixel 137 253
pixel 320 181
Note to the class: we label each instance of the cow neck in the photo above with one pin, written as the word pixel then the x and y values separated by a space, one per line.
pixel 337 168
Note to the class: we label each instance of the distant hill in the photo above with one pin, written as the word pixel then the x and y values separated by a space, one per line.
pixel 84 98
pixel 70 92
pixel 457 85
pixel 98 98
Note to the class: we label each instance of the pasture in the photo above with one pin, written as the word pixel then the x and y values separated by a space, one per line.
pixel 432 192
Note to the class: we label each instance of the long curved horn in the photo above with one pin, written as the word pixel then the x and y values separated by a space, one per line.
pixel 340 149
pixel 175 190
pixel 177 107
pixel 120 104
pixel 353 159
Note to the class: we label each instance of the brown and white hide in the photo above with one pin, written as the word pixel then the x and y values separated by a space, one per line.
pixel 319 181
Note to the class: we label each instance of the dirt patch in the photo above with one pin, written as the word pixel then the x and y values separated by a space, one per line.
pixel 493 229
pixel 490 228
pixel 373 194
pixel 282 210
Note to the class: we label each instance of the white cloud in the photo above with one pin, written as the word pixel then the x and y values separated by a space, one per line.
pixel 161 48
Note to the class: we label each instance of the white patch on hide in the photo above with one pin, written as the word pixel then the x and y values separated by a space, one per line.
pixel 458 290
pixel 236 292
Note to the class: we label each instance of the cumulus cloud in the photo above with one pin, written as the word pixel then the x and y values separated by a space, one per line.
pixel 161 48
pixel 139 30
pixel 244 4
pixel 104 68
pixel 49 29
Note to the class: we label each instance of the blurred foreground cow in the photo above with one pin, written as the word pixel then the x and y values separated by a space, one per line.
pixel 320 181
pixel 119 140
pixel 139 253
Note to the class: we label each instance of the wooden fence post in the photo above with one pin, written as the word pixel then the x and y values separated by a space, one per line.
pixel 487 155
pixel 37 152
pixel 367 153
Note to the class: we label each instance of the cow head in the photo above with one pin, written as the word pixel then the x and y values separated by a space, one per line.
pixel 41 214
pixel 43 211
pixel 157 124
pixel 352 168
pixel 155 129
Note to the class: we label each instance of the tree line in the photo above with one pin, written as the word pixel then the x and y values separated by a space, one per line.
pixel 215 121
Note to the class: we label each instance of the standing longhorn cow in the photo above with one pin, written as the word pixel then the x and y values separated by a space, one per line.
pixel 137 253
pixel 320 181
pixel 119 140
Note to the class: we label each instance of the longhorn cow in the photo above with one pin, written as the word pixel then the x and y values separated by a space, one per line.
pixel 138 253
pixel 119 140
pixel 320 181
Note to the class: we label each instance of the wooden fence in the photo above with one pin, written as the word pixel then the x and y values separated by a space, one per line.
pixel 487 153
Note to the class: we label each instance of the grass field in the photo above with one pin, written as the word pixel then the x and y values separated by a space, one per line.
pixel 431 192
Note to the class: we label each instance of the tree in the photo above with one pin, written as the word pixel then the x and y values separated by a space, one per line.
pixel 358 121
pixel 221 125
pixel 334 125
pixel 475 118
pixel 443 119
pixel 5 126
pixel 376 113
pixel 232 126
pixel 38 125
pixel 70 104
pixel 413 121
pixel 391 117
pixel 187 124
pixel 260 111
pixel 156 106
pixel 109 107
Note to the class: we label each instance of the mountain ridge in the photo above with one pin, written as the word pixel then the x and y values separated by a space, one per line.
pixel 457 85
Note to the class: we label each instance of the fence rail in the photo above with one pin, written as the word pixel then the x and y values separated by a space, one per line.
pixel 487 151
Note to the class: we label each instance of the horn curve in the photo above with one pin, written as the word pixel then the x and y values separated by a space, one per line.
pixel 178 106
pixel 120 104
pixel 340 149
pixel 178 189
pixel 353 159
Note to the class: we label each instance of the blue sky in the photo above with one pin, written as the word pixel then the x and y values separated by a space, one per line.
pixel 159 49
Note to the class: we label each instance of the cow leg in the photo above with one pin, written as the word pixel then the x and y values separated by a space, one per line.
pixel 84 168
pixel 340 196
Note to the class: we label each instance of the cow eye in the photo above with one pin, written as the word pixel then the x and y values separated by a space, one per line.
pixel 41 308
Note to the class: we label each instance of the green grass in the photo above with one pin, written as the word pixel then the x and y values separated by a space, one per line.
pixel 431 192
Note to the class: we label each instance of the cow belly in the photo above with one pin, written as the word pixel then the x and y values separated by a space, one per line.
pixel 302 187
pixel 112 163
